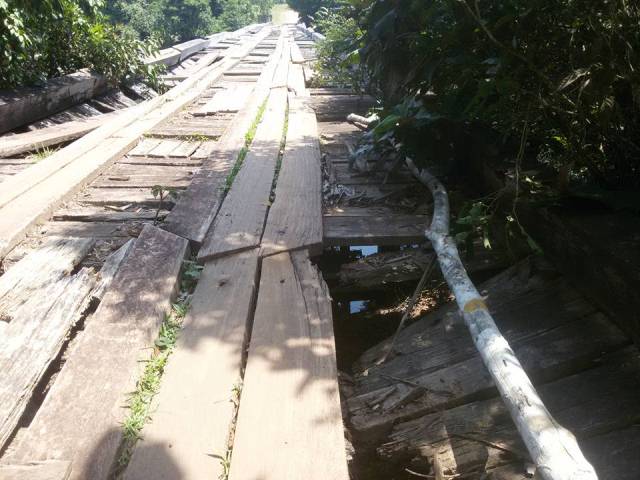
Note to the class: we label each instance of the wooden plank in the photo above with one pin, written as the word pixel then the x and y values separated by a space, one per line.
pixel 48 470
pixel 38 270
pixel 93 229
pixel 126 175
pixel 587 403
pixel 101 214
pixel 184 149
pixel 80 418
pixel 32 340
pixel 228 100
pixel 51 136
pixel 295 217
pixel 290 394
pixel 145 146
pixel 374 230
pixel 53 188
pixel 141 197
pixel 191 424
pixel 164 148
pixel 27 105
pixel 296 54
pixel 546 353
pixel 240 222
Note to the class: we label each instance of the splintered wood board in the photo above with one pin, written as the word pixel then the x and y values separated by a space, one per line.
pixel 193 413
pixel 198 205
pixel 290 394
pixel 295 218
pixel 240 222
pixel 80 418
pixel 226 101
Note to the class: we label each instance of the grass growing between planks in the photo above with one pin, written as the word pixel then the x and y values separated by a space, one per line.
pixel 140 401
pixel 283 143
pixel 248 140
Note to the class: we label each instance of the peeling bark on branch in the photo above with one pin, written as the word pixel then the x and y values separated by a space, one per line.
pixel 554 449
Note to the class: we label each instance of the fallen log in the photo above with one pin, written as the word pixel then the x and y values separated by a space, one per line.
pixel 553 449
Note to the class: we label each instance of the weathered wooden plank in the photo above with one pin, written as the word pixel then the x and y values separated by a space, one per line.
pixel 548 346
pixel 374 230
pixel 30 104
pixel 80 417
pixel 190 428
pixel 295 218
pixel 228 100
pixel 38 270
pixel 587 403
pixel 290 393
pixel 331 108
pixel 145 146
pixel 32 340
pixel 89 230
pixel 127 175
pixel 101 214
pixel 240 222
pixel 49 470
pixel 51 136
pixel 164 148
pixel 184 149
pixel 296 54
pixel 141 197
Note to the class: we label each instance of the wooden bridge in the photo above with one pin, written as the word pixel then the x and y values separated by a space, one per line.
pixel 242 169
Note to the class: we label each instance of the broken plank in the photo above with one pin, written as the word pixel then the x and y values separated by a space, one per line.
pixel 587 403
pixel 240 222
pixel 32 340
pixel 290 393
pixel 47 470
pixel 40 268
pixel 191 423
pixel 295 218
pixel 80 418
pixel 102 214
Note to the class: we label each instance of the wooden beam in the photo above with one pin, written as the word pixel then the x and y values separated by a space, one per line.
pixel 190 428
pixel 389 229
pixel 290 393
pixel 295 218
pixel 26 105
pixel 81 416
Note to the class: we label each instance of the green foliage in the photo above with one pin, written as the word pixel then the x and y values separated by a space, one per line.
pixel 175 21
pixel 338 55
pixel 555 77
pixel 308 8
pixel 49 38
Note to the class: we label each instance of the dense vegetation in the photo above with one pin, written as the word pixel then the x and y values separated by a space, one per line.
pixel 172 21
pixel 40 39
pixel 549 85
pixel 47 38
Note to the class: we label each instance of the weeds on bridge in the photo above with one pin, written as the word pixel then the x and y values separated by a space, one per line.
pixel 248 140
pixel 140 401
